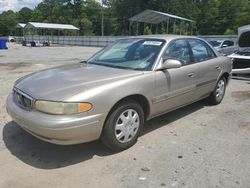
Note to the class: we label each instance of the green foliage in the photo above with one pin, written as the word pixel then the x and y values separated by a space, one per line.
pixel 8 21
pixel 85 25
pixel 229 32
pixel 211 16
pixel 147 31
pixel 24 15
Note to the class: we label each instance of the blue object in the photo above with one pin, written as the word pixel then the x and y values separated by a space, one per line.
pixel 3 44
pixel 32 44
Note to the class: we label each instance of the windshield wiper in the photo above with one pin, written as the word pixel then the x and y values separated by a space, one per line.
pixel 84 61
pixel 112 66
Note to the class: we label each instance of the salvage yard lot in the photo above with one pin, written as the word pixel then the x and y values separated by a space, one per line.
pixel 196 146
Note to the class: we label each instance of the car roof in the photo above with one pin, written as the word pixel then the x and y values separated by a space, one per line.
pixel 216 40
pixel 164 37
pixel 169 37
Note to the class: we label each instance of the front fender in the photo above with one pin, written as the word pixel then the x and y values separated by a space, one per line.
pixel 104 97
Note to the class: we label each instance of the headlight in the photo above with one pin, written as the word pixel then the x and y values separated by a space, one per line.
pixel 60 108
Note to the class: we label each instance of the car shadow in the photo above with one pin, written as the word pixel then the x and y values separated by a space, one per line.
pixel 172 116
pixel 43 155
pixel 40 154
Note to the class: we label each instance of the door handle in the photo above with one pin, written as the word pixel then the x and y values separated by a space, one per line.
pixel 218 67
pixel 191 74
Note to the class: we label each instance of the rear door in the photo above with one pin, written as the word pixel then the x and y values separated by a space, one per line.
pixel 207 66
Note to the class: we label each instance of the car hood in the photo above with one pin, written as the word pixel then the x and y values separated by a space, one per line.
pixel 243 48
pixel 244 40
pixel 241 53
pixel 61 83
pixel 238 55
pixel 244 36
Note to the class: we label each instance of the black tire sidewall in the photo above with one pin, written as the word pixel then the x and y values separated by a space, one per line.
pixel 215 99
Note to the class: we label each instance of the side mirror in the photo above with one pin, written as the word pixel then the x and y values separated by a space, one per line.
pixel 224 45
pixel 170 64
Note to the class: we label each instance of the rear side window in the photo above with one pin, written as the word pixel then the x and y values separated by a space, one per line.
pixel 228 43
pixel 200 51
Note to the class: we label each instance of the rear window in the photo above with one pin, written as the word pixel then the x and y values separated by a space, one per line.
pixel 201 51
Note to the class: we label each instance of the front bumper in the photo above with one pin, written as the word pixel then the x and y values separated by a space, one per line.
pixel 57 129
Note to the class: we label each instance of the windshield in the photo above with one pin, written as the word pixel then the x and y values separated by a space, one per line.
pixel 215 43
pixel 133 53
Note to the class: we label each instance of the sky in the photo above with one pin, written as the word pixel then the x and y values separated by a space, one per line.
pixel 16 5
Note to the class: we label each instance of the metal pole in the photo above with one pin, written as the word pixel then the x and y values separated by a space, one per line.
pixel 180 28
pixel 137 25
pixel 143 28
pixel 130 24
pixel 191 28
pixel 186 29
pixel 58 34
pixel 167 25
pixel 32 35
pixel 174 26
pixel 102 20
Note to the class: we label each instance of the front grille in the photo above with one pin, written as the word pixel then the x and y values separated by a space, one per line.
pixel 23 100
pixel 241 63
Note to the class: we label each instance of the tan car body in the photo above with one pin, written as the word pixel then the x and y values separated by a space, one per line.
pixel 158 91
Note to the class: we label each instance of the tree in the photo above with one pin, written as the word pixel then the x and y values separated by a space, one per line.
pixel 85 26
pixel 211 16
pixel 8 22
pixel 24 15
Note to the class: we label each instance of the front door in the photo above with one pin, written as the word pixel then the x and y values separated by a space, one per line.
pixel 175 87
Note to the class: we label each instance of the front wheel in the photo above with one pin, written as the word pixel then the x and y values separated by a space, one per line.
pixel 123 126
pixel 218 94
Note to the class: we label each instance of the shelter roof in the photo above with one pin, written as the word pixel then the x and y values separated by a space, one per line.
pixel 37 25
pixel 155 17
pixel 20 25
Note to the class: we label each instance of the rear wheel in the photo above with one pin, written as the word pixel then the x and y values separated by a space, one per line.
pixel 123 126
pixel 218 94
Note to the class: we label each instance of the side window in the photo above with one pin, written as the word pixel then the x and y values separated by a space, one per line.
pixel 228 43
pixel 201 51
pixel 178 50
pixel 231 43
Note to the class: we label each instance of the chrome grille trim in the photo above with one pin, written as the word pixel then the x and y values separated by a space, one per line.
pixel 22 99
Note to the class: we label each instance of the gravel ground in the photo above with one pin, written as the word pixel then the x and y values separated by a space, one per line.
pixel 196 146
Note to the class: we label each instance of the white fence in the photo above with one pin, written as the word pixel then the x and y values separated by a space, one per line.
pixel 73 40
pixel 219 37
pixel 97 41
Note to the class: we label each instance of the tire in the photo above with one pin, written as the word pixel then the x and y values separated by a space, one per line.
pixel 123 125
pixel 218 94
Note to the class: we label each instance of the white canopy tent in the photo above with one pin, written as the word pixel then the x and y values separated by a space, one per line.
pixel 36 25
pixel 156 17
pixel 47 31
pixel 20 25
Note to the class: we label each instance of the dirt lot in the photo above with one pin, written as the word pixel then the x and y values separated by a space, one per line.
pixel 196 146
